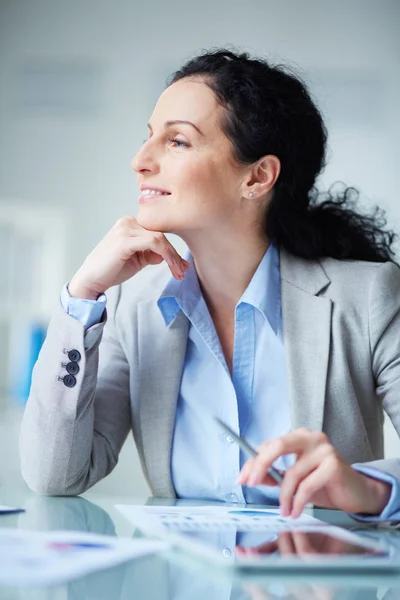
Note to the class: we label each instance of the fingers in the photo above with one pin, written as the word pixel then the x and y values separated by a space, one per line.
pixel 245 471
pixel 121 254
pixel 318 468
pixel 302 543
pixel 148 257
pixel 285 543
pixel 134 245
pixel 255 472
pixel 139 239
pixel 317 480
pixel 268 547
pixel 298 442
pixel 296 474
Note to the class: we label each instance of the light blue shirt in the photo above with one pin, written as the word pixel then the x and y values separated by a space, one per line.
pixel 205 463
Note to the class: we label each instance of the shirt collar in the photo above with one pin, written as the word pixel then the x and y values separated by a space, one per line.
pixel 263 291
pixel 181 294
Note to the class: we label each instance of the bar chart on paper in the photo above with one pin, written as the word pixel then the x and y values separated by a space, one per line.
pixel 212 518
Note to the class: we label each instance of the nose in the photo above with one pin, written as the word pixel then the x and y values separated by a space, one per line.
pixel 144 160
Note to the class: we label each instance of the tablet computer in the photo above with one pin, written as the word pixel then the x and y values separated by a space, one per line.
pixel 261 539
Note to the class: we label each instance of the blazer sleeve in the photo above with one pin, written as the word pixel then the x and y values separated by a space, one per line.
pixel 71 436
pixel 384 328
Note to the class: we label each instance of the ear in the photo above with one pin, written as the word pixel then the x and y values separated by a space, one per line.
pixel 262 177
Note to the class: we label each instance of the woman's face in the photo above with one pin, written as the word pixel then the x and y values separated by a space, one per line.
pixel 188 156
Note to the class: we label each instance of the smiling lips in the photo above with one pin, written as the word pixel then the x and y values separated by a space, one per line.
pixel 151 194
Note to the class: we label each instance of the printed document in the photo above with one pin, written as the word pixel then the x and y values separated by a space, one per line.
pixel 207 518
pixel 52 557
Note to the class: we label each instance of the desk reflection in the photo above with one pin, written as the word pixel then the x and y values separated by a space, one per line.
pixel 158 578
pixel 304 544
pixel 65 513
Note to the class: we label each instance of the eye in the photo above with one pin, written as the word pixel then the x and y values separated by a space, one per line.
pixel 179 143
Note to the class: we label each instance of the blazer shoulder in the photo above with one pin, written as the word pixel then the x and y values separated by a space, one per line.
pixel 356 277
pixel 359 269
pixel 333 277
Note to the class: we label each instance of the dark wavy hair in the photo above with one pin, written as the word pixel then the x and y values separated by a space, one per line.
pixel 269 110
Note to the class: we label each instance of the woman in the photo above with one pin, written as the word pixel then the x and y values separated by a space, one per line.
pixel 283 321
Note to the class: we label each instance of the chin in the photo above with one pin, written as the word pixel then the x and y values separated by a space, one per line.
pixel 155 223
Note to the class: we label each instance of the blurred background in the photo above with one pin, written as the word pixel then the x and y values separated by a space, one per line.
pixel 78 82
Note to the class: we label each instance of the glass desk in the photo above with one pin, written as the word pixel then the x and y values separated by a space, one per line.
pixel 172 576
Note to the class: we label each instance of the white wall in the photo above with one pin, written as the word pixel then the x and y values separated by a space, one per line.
pixel 69 142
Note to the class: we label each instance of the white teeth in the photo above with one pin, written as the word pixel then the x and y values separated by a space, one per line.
pixel 147 192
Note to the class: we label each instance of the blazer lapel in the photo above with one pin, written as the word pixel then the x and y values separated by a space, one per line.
pixel 160 367
pixel 306 331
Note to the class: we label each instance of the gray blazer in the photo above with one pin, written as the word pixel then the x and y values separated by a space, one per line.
pixel 341 326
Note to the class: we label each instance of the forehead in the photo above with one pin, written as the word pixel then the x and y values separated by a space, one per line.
pixel 188 100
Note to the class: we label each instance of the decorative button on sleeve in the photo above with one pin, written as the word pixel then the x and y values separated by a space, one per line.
pixel 72 368
pixel 74 355
pixel 69 381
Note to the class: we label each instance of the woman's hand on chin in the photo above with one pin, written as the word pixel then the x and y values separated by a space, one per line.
pixel 124 251
pixel 319 475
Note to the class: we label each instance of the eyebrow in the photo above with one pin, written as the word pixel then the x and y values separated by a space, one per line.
pixel 178 122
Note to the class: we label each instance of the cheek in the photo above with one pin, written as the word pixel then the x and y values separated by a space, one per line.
pixel 202 179
pixel 193 175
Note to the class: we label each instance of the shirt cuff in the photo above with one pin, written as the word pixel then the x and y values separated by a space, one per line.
pixel 88 312
pixel 391 512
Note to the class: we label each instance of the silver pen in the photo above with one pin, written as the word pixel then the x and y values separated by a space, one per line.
pixel 274 473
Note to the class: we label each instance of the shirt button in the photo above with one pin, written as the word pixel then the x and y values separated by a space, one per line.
pixel 227 552
pixel 229 439
pixel 233 498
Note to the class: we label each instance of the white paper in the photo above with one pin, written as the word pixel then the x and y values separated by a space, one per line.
pixel 10 509
pixel 211 518
pixel 52 557
pixel 211 532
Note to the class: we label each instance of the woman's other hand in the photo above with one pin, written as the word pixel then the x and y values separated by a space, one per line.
pixel 319 475
pixel 124 251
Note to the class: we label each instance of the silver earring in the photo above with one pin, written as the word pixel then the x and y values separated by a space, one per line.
pixel 251 195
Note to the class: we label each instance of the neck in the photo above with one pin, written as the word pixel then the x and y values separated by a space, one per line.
pixel 225 266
